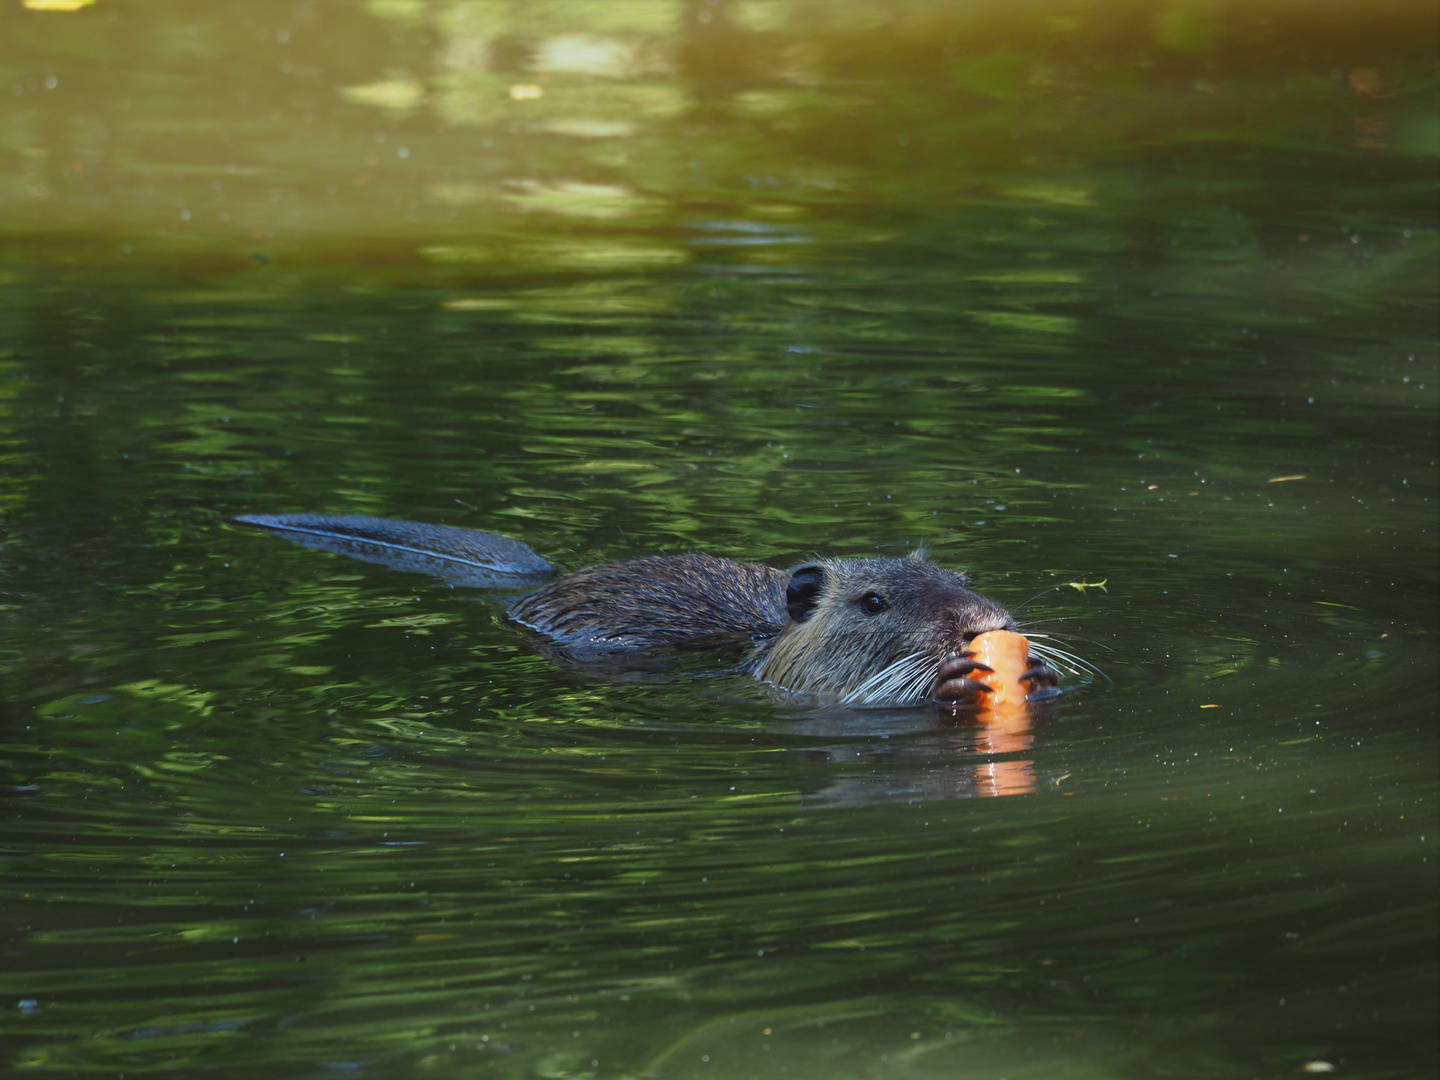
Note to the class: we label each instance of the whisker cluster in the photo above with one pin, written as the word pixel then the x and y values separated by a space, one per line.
pixel 901 682
pixel 1067 661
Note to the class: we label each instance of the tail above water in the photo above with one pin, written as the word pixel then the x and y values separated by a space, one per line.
pixel 465 557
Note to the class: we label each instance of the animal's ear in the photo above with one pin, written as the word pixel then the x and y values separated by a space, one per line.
pixel 918 555
pixel 803 591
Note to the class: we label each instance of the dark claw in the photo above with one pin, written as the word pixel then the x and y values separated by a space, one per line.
pixel 951 685
pixel 958 692
pixel 1042 679
pixel 958 665
pixel 1041 673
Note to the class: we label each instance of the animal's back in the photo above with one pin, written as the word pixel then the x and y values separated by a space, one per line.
pixel 653 601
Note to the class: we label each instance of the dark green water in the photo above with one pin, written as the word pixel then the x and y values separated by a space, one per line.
pixel 1153 305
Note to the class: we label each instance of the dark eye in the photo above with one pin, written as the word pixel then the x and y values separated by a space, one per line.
pixel 873 603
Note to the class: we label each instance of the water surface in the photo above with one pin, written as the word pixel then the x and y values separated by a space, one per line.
pixel 1127 311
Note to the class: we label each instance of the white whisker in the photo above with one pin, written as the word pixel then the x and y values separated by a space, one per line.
pixel 1068 637
pixel 1065 658
pixel 893 684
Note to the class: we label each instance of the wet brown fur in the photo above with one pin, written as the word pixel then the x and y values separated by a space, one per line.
pixel 653 601
pixel 811 627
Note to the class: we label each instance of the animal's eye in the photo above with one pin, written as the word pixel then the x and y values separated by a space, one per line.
pixel 873 603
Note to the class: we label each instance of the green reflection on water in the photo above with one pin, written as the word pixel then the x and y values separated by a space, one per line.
pixel 1058 291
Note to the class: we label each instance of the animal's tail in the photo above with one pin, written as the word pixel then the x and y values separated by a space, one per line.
pixel 461 556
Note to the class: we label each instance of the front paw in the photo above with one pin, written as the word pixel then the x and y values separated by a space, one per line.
pixel 1041 681
pixel 952 687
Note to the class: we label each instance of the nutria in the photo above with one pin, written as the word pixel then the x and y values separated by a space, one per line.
pixel 870 631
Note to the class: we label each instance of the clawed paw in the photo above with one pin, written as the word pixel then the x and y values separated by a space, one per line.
pixel 952 685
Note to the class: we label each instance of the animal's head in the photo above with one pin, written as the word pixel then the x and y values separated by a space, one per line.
pixel 875 631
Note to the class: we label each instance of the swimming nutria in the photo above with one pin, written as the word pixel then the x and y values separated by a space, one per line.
pixel 873 631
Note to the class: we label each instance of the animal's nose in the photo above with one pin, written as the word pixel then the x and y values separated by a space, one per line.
pixel 984 622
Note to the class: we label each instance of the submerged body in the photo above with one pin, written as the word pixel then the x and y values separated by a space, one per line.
pixel 862 631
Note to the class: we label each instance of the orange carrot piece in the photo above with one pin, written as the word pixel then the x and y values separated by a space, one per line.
pixel 1009 654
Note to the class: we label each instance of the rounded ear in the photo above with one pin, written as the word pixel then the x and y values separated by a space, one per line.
pixel 803 591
